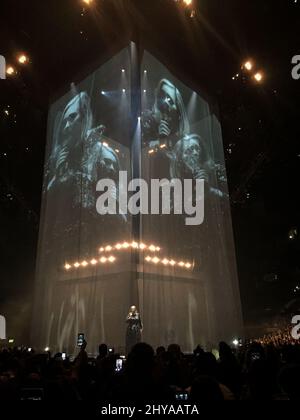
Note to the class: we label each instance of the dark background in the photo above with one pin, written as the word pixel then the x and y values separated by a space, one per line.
pixel 260 124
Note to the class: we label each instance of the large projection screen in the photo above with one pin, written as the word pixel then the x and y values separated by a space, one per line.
pixel 91 268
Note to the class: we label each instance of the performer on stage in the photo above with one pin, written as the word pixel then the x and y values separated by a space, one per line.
pixel 134 328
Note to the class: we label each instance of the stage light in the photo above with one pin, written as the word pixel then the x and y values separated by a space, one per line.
pixel 235 342
pixel 76 265
pixel 108 248
pixel 248 65
pixel 103 260
pixel 23 59
pixel 67 266
pixel 10 71
pixel 258 77
pixel 112 259
pixel 84 263
pixel 93 261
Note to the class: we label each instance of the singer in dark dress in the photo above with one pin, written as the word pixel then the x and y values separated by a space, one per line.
pixel 134 329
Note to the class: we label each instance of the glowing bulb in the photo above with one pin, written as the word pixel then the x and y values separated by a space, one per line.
pixel 152 248
pixel 101 249
pixel 88 2
pixel 258 77
pixel 93 261
pixel 134 245
pixel 103 260
pixel 151 151
pixel 157 248
pixel 181 264
pixel 117 150
pixel 162 146
pixel 235 342
pixel 76 265
pixel 172 262
pixel 188 2
pixel 22 59
pixel 84 263
pixel 124 90
pixel 145 91
pixel 123 70
pixel 67 266
pixel 111 259
pixel 148 258
pixel 188 265
pixel 10 71
pixel 108 248
pixel 125 245
pixel 47 348
pixel 165 261
pixel 105 144
pixel 248 65
pixel 143 246
pixel 155 260
pixel 118 246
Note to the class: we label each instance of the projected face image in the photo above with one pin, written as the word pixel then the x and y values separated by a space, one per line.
pixel 167 121
pixel 191 159
pixel 109 165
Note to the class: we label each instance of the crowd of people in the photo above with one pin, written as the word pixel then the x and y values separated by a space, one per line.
pixel 249 372
pixel 282 337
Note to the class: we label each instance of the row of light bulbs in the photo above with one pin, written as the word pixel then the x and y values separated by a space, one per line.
pixel 166 262
pixel 93 262
pixel 128 245
pixel 162 146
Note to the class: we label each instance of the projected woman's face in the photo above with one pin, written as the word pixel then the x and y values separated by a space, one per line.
pixel 191 153
pixel 108 163
pixel 71 124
